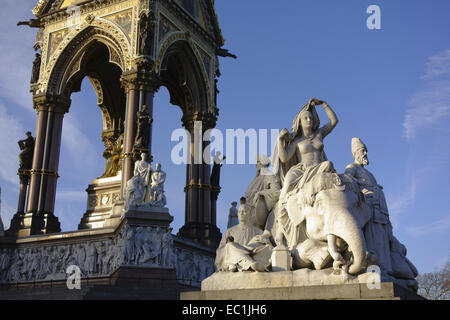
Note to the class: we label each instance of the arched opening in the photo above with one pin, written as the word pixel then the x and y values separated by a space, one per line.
pixel 91 70
pixel 188 85
pixel 182 75
pixel 81 158
pixel 167 119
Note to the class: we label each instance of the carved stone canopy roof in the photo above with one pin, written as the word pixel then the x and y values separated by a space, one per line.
pixel 44 7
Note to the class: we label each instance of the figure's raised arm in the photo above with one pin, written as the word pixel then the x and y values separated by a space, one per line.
pixel 326 129
pixel 285 154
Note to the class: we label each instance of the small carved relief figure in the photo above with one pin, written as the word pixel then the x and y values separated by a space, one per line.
pixel 53 259
pixel 16 265
pixel 26 156
pixel 108 264
pixel 166 251
pixel 128 245
pixel 62 253
pixel 36 69
pixel 156 240
pixel 140 237
pixel 23 263
pixel 4 262
pixel 158 199
pixel 80 255
pixel 91 258
pixel 101 251
pixel 144 121
pixel 34 263
pixel 146 34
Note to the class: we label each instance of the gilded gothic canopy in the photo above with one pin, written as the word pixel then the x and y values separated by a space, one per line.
pixel 44 7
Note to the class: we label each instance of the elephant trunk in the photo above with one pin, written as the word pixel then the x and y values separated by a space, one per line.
pixel 346 227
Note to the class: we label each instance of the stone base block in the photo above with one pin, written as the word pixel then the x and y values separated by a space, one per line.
pixel 281 259
pixel 303 284
pixel 387 291
pixel 103 194
pixel 126 283
pixel 149 216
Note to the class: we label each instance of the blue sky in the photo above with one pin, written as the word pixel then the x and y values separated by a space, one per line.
pixel 390 87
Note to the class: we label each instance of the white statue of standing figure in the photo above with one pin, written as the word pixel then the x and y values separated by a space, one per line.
pixel 233 215
pixel 143 169
pixel 390 253
pixel 158 177
pixel 378 231
pixel 137 189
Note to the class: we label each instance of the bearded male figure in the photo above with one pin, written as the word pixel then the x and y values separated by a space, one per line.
pixel 378 231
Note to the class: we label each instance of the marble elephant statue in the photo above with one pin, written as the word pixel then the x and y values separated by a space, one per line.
pixel 323 221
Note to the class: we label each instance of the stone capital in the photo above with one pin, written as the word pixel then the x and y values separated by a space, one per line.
pixel 208 120
pixel 142 77
pixel 50 102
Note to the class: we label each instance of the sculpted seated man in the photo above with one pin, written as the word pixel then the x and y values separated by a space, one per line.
pixel 244 247
pixel 263 192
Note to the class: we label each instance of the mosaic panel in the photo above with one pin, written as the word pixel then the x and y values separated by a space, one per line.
pixel 122 19
pixel 55 39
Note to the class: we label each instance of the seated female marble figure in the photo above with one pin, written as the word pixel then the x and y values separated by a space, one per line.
pixel 300 155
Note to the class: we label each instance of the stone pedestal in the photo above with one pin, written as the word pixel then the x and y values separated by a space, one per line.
pixel 303 284
pixel 281 259
pixel 159 217
pixel 387 291
pixel 103 194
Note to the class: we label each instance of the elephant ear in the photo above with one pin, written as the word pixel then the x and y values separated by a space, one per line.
pixel 295 211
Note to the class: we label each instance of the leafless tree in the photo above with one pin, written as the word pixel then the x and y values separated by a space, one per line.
pixel 435 285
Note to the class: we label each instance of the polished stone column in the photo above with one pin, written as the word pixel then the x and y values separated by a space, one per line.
pixel 140 86
pixel 17 220
pixel 39 217
pixel 33 192
pixel 46 221
pixel 22 221
pixel 199 224
pixel 130 132
pixel 22 197
pixel 148 96
pixel 205 180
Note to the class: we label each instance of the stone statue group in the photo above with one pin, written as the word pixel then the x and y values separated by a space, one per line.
pixel 321 218
pixel 146 188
